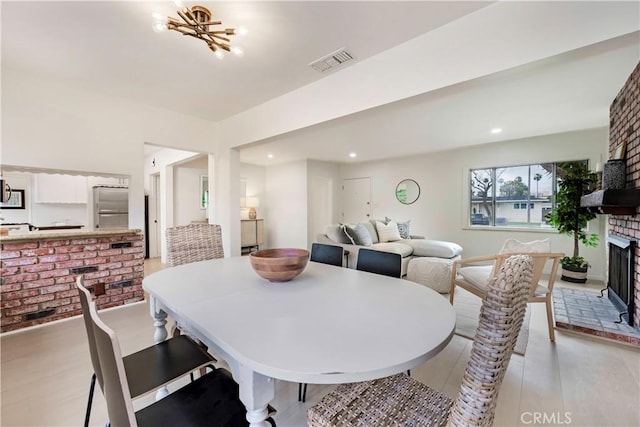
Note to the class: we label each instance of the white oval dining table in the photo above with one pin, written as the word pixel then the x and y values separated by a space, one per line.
pixel 329 325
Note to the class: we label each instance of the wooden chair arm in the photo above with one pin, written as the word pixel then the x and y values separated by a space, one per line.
pixel 476 259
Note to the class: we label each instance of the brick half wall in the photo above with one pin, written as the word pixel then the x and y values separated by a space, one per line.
pixel 37 277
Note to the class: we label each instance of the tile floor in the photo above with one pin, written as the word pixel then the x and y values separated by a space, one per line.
pixel 583 310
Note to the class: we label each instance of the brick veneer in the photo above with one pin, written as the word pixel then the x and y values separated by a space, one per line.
pixel 624 117
pixel 37 276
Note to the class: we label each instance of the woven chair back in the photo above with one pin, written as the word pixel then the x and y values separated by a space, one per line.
pixel 194 242
pixel 540 260
pixel 501 316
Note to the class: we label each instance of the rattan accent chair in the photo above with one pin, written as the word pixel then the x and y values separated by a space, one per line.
pixel 467 274
pixel 146 370
pixel 400 400
pixel 193 242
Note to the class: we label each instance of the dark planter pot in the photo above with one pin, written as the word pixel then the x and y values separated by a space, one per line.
pixel 574 274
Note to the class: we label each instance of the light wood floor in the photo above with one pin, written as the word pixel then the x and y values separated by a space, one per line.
pixel 577 381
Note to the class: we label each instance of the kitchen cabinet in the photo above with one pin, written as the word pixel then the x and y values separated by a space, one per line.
pixel 251 234
pixel 54 188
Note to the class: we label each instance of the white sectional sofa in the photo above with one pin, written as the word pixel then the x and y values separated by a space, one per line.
pixel 409 248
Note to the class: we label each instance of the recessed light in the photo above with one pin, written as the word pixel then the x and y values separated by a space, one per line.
pixel 352 155
pixel 496 130
pixel 270 156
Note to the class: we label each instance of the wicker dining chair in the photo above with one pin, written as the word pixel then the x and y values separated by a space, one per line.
pixel 193 242
pixel 401 400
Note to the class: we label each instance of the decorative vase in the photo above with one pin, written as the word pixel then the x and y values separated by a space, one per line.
pixel 614 176
pixel 574 274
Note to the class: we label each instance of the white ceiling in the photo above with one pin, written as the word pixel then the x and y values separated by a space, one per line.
pixel 110 47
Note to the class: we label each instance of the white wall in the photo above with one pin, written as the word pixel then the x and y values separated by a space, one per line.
pixel 255 179
pixel 186 190
pixel 442 210
pixel 286 207
pixel 320 173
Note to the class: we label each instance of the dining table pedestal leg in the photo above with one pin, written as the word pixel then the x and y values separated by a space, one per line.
pixel 160 334
pixel 256 391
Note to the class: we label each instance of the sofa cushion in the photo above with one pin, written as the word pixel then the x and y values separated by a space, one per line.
pixel 436 248
pixel 395 247
pixel 535 246
pixel 358 235
pixel 387 232
pixel 335 233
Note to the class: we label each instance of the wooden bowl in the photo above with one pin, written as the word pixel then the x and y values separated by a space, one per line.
pixel 279 265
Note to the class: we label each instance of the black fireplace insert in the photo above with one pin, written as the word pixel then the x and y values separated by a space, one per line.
pixel 621 275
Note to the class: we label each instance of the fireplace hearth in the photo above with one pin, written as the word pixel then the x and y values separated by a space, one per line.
pixel 621 286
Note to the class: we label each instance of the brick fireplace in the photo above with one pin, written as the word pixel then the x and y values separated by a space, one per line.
pixel 624 116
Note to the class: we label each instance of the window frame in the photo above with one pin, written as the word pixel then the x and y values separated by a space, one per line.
pixel 493 225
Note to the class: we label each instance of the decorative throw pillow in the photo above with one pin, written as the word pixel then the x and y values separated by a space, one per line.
pixel 371 228
pixel 358 235
pixel 535 246
pixel 403 227
pixel 387 232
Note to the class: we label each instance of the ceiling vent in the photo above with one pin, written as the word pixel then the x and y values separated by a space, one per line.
pixel 331 61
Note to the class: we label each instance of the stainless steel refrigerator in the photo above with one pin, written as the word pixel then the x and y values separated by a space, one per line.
pixel 111 207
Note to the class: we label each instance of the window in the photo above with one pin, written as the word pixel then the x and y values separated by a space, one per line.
pixel 514 196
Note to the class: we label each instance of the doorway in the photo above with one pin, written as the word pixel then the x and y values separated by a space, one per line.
pixel 356 199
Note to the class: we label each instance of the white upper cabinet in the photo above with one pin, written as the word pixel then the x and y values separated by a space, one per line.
pixel 54 188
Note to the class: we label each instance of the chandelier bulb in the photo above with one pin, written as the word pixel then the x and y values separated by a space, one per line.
pixel 238 51
pixel 159 27
pixel 219 54
pixel 179 4
pixel 241 31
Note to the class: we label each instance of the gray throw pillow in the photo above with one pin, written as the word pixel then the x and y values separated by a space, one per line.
pixel 358 234
pixel 372 231
pixel 335 233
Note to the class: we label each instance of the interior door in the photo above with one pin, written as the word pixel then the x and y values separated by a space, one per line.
pixel 154 216
pixel 356 199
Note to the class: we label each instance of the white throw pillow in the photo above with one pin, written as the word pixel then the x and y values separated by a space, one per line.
pixel 535 246
pixel 387 232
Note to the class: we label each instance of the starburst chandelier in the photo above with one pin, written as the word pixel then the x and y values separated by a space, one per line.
pixel 196 22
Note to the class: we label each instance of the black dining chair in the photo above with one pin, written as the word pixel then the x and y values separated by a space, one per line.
pixel 211 400
pixel 146 370
pixel 378 262
pixel 327 254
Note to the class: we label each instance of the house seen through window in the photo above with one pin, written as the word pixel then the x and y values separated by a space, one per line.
pixel 514 196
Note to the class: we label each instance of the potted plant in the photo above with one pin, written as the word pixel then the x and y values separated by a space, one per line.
pixel 574 181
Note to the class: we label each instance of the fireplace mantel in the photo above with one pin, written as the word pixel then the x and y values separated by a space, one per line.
pixel 614 202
